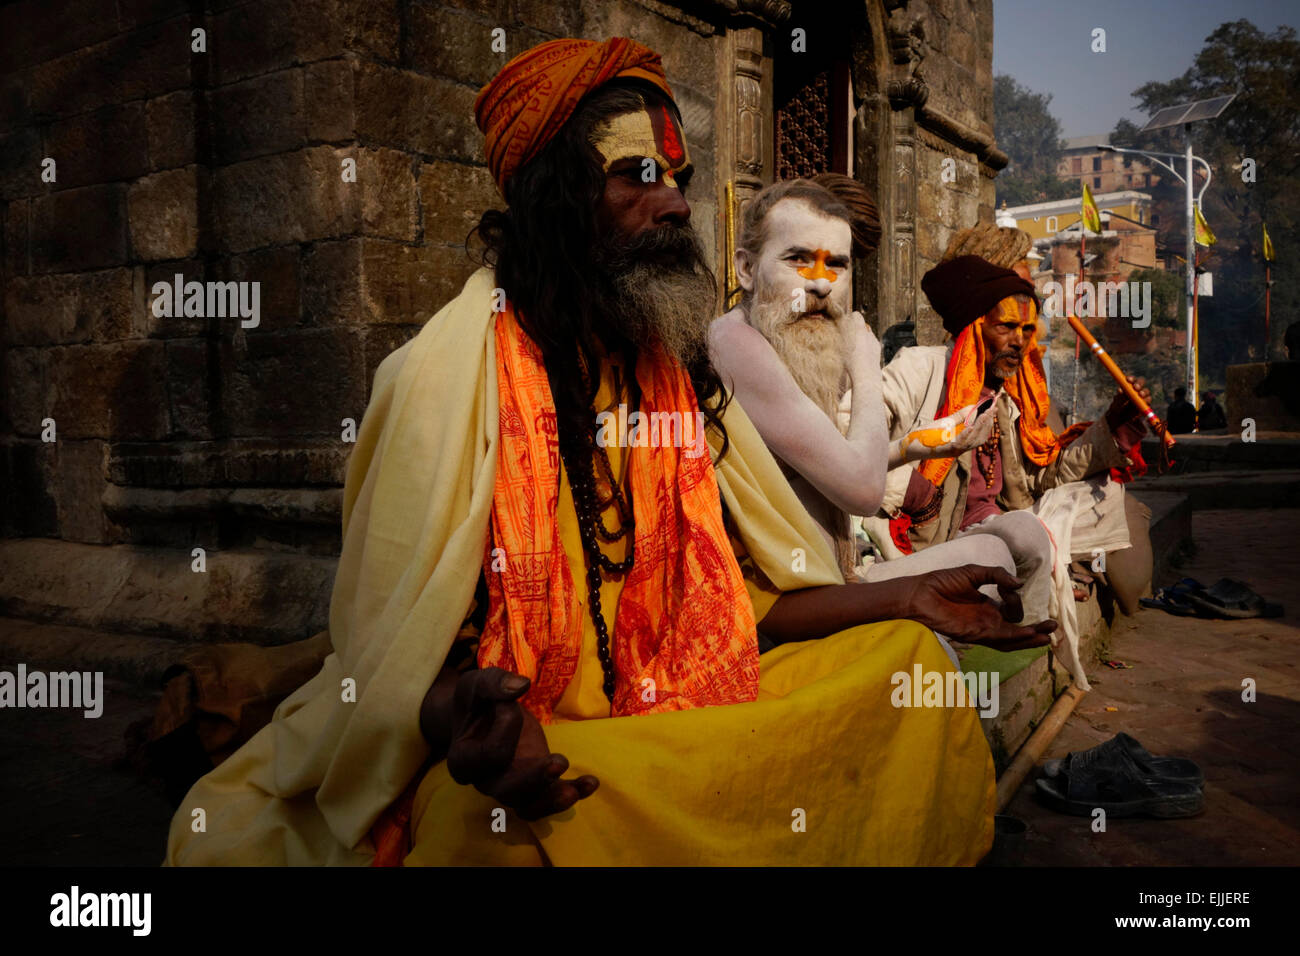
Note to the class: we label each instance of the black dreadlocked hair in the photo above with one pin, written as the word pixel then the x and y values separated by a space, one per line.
pixel 541 248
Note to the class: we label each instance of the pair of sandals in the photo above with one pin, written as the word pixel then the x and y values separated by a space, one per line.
pixel 1124 779
pixel 1227 598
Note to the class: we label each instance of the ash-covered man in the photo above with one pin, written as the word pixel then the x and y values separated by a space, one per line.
pixel 792 349
pixel 1025 480
pixel 610 596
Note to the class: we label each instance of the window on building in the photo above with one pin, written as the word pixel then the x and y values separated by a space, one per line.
pixel 1096 182
pixel 813 100
pixel 1076 165
pixel 1155 219
pixel 1096 164
pixel 1051 224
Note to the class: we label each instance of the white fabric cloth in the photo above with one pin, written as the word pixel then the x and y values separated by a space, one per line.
pixel 1085 519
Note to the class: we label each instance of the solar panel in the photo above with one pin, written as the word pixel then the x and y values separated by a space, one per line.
pixel 1189 112
pixel 1208 109
pixel 1169 116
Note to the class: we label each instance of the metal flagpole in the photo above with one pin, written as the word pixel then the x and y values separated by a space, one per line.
pixel 1191 270
pixel 1268 288
pixel 1083 277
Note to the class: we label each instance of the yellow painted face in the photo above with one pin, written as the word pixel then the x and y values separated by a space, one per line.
pixel 1017 314
pixel 651 133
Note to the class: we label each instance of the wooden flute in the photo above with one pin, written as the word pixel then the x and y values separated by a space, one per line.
pixel 1115 372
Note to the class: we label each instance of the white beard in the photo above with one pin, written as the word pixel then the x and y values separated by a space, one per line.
pixel 812 348
pixel 815 351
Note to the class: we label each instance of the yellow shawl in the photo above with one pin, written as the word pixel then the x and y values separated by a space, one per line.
pixel 417 500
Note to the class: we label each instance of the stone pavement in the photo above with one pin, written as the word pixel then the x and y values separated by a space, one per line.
pixel 64 801
pixel 1182 697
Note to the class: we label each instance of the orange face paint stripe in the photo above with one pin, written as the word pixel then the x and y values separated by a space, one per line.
pixel 818 269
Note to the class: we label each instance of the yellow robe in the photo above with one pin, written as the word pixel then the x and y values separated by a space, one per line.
pixel 876 784
pixel 733 785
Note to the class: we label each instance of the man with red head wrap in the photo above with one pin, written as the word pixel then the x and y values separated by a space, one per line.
pixel 526 591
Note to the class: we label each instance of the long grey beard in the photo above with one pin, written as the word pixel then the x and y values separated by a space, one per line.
pixel 662 292
pixel 813 349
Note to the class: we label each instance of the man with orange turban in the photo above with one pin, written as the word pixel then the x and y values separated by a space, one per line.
pixel 526 590
pixel 1047 497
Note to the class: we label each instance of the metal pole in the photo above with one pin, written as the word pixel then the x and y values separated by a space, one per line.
pixel 1092 298
pixel 1196 336
pixel 1268 289
pixel 1191 268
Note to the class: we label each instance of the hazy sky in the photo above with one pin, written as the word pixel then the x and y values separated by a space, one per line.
pixel 1046 46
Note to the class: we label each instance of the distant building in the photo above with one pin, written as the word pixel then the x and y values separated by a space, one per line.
pixel 1126 243
pixel 1101 170
pixel 1125 210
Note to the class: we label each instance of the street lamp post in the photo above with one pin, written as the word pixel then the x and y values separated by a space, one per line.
pixel 1185 115
pixel 1186 179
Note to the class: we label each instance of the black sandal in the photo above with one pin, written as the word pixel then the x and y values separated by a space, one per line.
pixel 1168 768
pixel 1114 783
pixel 1174 598
pixel 1232 599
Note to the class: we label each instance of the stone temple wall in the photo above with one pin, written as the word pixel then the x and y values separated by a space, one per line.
pixel 958 69
pixel 129 439
pixel 924 142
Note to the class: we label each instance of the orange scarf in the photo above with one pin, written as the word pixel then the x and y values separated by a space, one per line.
pixel 1028 389
pixel 684 635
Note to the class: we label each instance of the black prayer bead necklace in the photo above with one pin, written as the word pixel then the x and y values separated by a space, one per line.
pixel 590 506
pixel 990 450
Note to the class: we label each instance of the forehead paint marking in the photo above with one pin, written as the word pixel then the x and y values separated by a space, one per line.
pixel 644 134
pixel 1011 312
pixel 818 269
pixel 666 138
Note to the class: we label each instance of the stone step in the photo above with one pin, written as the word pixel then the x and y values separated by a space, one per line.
pixel 1226 451
pixel 1216 490
pixel 265 597
pixel 1027 690
pixel 1171 528
pixel 136 659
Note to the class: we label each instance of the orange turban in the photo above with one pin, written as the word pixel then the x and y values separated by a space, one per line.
pixel 535 93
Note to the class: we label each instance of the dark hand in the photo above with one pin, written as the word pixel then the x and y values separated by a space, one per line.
pixel 1122 410
pixel 498 746
pixel 949 601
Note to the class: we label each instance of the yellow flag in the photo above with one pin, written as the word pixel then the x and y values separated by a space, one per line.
pixel 1268 246
pixel 1204 235
pixel 1091 217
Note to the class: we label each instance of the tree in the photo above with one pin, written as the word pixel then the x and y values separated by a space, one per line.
pixel 1167 309
pixel 1031 136
pixel 1263 70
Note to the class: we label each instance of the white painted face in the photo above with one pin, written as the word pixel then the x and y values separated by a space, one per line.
pixel 805 250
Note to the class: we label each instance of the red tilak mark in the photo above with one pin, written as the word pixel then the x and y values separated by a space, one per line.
pixel 672 145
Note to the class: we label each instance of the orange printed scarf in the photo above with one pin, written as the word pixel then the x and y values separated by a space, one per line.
pixel 1028 389
pixel 684 634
